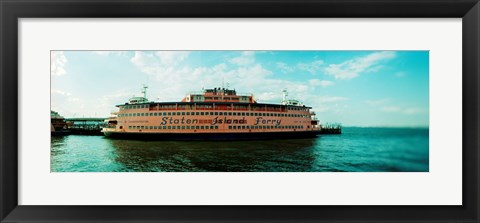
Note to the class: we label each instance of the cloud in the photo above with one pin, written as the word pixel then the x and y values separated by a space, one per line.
pixel 390 109
pixel 160 61
pixel 324 99
pixel 405 111
pixel 414 111
pixel 246 58
pixel 284 68
pixel 59 92
pixel 170 58
pixel 400 74
pixel 110 52
pixel 354 67
pixel 172 83
pixel 321 83
pixel 57 63
pixel 377 102
pixel 312 67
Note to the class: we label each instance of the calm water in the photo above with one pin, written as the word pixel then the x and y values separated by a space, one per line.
pixel 356 149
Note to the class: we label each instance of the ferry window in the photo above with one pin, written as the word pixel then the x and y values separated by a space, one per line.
pixel 188 113
pixel 202 127
pixel 243 127
pixel 216 127
pixel 134 114
pixel 211 113
pixel 169 127
pixel 178 113
pixel 183 113
pixel 230 114
pixel 221 113
pixel 164 127
pixel 234 127
pixel 197 127
pixel 197 113
pixel 202 113
pixel 216 113
pixel 211 127
pixel 151 127
pixel 154 127
pixel 183 127
pixel 169 113
pixel 229 127
pixel 174 127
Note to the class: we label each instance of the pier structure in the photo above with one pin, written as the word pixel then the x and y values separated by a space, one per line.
pixel 85 126
pixel 331 128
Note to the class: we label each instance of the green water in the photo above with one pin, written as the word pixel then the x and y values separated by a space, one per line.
pixel 355 150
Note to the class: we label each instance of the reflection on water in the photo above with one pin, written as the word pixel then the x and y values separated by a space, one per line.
pixel 274 155
pixel 355 150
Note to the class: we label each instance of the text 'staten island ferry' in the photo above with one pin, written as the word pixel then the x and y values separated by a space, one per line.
pixel 214 114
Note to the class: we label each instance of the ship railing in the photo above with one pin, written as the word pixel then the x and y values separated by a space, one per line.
pixel 203 92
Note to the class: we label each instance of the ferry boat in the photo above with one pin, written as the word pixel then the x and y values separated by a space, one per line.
pixel 213 114
pixel 58 126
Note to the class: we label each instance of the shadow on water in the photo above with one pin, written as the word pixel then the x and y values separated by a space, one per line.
pixel 237 156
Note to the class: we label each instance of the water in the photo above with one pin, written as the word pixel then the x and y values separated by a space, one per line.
pixel 355 150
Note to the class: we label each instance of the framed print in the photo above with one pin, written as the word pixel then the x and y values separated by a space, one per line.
pixel 239 111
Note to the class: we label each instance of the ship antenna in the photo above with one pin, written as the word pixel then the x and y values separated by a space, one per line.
pixel 144 91
pixel 285 94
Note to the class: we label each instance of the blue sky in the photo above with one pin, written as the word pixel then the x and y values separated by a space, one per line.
pixel 355 88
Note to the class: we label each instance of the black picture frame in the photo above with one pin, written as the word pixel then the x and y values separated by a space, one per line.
pixel 12 10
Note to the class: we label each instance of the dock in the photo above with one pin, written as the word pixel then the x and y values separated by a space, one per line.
pixel 331 128
pixel 85 126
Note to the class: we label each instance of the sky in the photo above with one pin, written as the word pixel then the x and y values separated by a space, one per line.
pixel 354 88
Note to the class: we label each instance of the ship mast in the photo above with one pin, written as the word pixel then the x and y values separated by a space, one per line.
pixel 144 91
pixel 285 94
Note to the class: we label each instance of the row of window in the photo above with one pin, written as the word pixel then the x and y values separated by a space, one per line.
pixel 253 107
pixel 216 127
pixel 212 113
